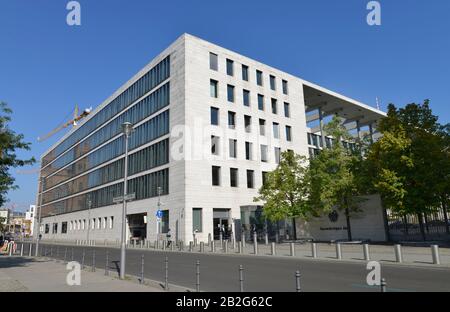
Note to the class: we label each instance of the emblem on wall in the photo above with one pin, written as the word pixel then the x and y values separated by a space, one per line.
pixel 333 216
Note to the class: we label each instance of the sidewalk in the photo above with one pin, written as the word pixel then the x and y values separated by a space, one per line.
pixel 22 274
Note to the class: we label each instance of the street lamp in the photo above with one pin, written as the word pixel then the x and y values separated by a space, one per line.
pixel 127 128
pixel 38 238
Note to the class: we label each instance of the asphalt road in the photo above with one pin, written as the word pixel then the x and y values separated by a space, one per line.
pixel 261 274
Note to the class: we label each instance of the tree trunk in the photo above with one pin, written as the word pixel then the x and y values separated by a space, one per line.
pixel 349 229
pixel 422 230
pixel 294 229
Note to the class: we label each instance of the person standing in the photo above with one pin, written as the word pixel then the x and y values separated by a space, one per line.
pixel 168 237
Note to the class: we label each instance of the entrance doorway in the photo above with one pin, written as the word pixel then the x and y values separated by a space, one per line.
pixel 221 223
pixel 138 226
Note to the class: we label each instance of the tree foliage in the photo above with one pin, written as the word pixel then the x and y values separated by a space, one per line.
pixel 10 142
pixel 285 189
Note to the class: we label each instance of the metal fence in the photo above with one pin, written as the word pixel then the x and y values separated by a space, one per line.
pixel 407 228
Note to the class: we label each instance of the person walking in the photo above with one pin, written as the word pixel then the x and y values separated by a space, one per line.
pixel 168 237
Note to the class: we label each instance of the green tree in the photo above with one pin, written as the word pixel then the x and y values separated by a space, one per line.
pixel 408 164
pixel 285 190
pixel 333 175
pixel 10 142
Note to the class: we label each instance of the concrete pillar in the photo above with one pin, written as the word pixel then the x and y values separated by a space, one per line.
pixel 322 133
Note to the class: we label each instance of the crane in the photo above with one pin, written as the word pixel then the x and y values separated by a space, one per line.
pixel 74 122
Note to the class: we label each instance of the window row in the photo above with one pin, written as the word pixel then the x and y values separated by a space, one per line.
pixel 145 186
pixel 144 108
pixel 246 98
pixel 150 157
pixel 216 173
pixel 146 83
pixel 214 112
pixel 147 132
pixel 92 224
pixel 259 76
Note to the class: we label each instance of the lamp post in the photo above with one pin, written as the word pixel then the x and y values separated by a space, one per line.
pixel 127 128
pixel 89 202
pixel 38 238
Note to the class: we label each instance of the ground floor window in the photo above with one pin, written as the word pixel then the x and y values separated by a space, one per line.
pixel 47 228
pixel 165 221
pixel 55 228
pixel 197 220
pixel 64 228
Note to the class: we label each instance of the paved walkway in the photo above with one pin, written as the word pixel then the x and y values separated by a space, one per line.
pixel 21 274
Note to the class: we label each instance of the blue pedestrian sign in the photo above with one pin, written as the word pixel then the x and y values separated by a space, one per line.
pixel 159 214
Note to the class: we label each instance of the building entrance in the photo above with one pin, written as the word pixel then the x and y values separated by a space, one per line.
pixel 221 223
pixel 137 226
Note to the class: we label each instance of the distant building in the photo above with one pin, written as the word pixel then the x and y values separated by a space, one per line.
pixel 29 219
pixel 4 216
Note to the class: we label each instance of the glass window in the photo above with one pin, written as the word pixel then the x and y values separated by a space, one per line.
pixel 197 224
pixel 244 72
pixel 213 63
pixel 285 87
pixel 111 222
pixel 215 145
pixel 276 130
pixel 230 67
pixel 214 116
pixel 233 177
pixel 230 93
pixel 264 177
pixel 164 221
pixel 64 228
pixel 246 97
pixel 232 120
pixel 248 151
pixel 55 228
pixel 215 175
pixel 248 123
pixel 262 127
pixel 287 112
pixel 250 179
pixel 259 78
pixel 264 157
pixel 233 148
pixel 260 102
pixel 214 88
pixel 274 106
pixel 272 83
pixel 288 134
pixel 47 228
pixel 277 155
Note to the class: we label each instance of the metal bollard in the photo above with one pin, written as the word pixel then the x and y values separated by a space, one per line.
pixel 239 247
pixel 366 252
pixel 234 245
pixel 241 278
pixel 142 244
pixel 82 259
pixel 197 282
pixel 107 263
pixel 314 250
pixel 11 247
pixel 221 238
pixel 297 281
pixel 93 260
pixel 435 254
pixel 142 270
pixel 273 249
pixel 209 239
pixel 292 245
pixel 156 244
pixel 398 253
pixel 31 250
pixel 164 245
pixel 225 246
pixel 213 246
pixel 21 250
pixel 134 243
pixel 190 246
pixel 338 251
pixel 266 238
pixel 166 279
pixel 255 244
pixel 202 247
pixel 172 246
pixel 383 285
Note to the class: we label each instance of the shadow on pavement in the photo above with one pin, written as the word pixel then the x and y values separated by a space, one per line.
pixel 14 261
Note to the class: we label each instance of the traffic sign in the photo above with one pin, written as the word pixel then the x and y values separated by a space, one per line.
pixel 159 214
pixel 128 197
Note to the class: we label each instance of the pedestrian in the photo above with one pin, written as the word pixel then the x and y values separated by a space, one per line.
pixel 168 237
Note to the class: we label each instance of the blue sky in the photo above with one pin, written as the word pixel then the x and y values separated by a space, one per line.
pixel 46 67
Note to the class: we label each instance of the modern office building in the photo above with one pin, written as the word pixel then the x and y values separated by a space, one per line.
pixel 208 125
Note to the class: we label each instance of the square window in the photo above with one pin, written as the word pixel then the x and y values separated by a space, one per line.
pixel 214 88
pixel 230 93
pixel 233 177
pixel 213 63
pixel 215 175
pixel 246 97
pixel 230 67
pixel 245 72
